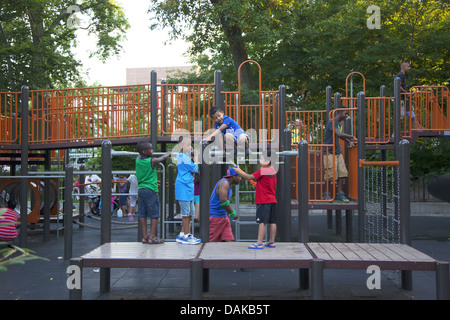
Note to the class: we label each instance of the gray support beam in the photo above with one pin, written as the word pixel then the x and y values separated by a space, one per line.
pixel 361 135
pixel 24 168
pixel 328 99
pixel 47 186
pixel 196 271
pixel 68 212
pixel 303 206
pixel 105 232
pixel 317 289
pixel 442 280
pixel 285 212
pixel 204 197
pixel 218 89
pixel 397 122
pixel 154 110
pixel 405 209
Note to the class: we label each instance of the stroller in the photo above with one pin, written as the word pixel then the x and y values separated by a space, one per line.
pixel 97 205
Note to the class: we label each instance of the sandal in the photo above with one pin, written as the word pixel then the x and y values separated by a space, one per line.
pixel 155 241
pixel 145 241
pixel 270 245
pixel 256 246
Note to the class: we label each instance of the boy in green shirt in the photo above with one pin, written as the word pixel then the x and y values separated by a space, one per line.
pixel 148 190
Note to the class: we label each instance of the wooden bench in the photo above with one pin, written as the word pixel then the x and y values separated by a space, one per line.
pixel 384 256
pixel 215 255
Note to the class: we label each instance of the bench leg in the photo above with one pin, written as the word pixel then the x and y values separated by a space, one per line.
pixel 317 279
pixel 442 281
pixel 196 279
pixel 304 279
pixel 406 280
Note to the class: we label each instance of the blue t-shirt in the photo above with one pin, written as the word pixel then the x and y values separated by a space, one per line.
pixel 215 210
pixel 232 125
pixel 328 139
pixel 184 184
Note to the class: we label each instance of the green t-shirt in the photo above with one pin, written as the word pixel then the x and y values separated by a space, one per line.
pixel 146 175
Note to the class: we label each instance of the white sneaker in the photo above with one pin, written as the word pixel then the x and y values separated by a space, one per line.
pixel 180 238
pixel 190 239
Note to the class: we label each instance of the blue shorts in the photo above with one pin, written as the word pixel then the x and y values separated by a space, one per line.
pixel 196 199
pixel 148 204
pixel 237 134
pixel 187 208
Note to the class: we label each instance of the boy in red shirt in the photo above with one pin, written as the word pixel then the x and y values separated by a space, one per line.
pixel 265 200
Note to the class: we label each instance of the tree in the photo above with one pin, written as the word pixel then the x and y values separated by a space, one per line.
pixel 308 45
pixel 230 29
pixel 36 38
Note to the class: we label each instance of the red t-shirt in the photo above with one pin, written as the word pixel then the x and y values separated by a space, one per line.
pixel 266 187
pixel 8 232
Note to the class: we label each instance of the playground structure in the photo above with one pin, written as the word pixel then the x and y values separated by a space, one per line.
pixel 89 117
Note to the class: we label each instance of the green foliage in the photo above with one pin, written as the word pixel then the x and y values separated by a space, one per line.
pixel 36 40
pixel 308 45
pixel 430 156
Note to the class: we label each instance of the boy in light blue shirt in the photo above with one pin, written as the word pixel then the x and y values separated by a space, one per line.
pixel 184 190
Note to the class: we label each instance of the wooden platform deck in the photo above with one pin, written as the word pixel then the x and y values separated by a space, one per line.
pixel 362 255
pixel 237 255
pixel 313 256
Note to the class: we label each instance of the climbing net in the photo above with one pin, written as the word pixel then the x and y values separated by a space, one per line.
pixel 381 205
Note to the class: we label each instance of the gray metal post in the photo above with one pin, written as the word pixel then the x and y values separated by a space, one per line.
pixel 217 88
pixel 303 205
pixel 81 201
pixel 47 185
pixel 164 106
pixel 282 111
pixel 382 113
pixel 105 232
pixel 405 210
pixel 442 280
pixel 361 156
pixel 204 198
pixel 24 168
pixel 106 168
pixel 337 100
pixel 154 110
pixel 276 112
pixel 171 195
pixel 317 290
pixel 285 212
pixel 196 279
pixel 68 212
pixel 76 293
pixel 397 125
pixel 328 100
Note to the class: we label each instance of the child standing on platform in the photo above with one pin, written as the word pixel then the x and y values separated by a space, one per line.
pixel 184 190
pixel 265 200
pixel 148 190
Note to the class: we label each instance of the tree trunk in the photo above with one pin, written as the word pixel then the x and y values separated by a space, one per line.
pixel 233 34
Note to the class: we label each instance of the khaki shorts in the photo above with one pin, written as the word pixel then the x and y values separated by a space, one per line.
pixel 340 168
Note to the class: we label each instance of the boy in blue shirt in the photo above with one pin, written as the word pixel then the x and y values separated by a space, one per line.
pixel 230 129
pixel 184 190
